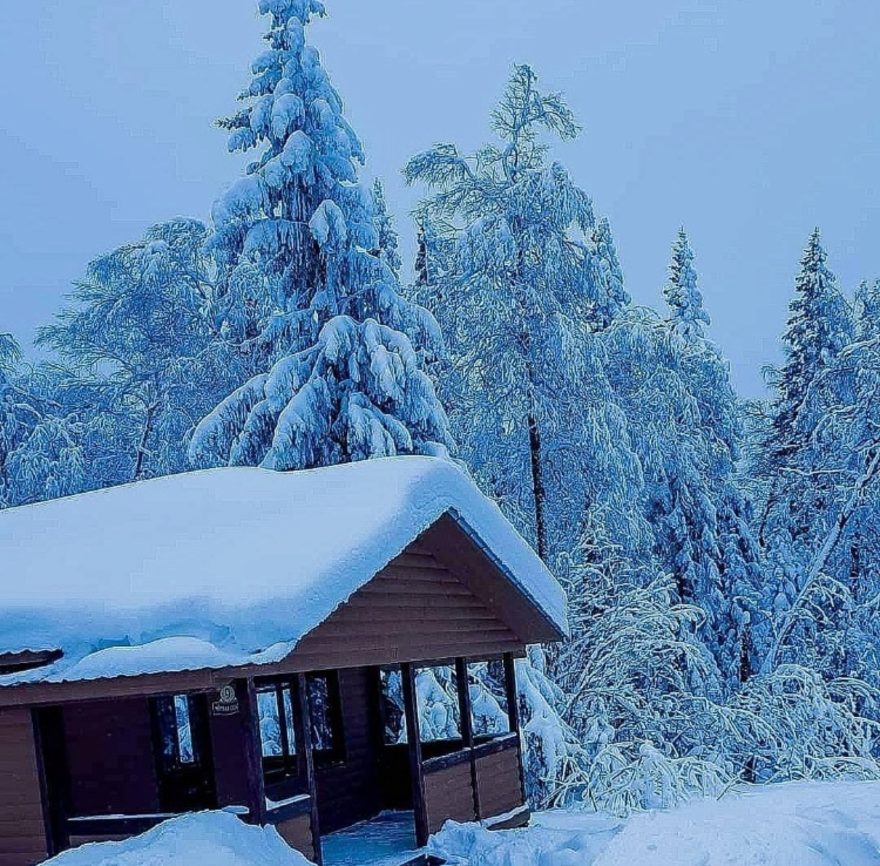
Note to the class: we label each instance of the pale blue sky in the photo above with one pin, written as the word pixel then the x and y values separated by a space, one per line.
pixel 749 122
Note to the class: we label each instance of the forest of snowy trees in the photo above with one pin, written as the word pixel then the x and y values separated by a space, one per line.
pixel 721 558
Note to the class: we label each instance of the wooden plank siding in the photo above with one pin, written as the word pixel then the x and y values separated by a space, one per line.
pixel 297 832
pixel 347 792
pixel 499 782
pixel 415 609
pixel 22 824
pixel 449 795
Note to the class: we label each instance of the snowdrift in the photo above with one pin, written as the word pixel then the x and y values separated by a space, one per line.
pixel 797 824
pixel 205 839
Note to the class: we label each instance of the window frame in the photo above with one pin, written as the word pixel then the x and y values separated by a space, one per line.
pixel 289 764
pixel 166 721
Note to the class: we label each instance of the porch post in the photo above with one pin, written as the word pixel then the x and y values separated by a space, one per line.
pixel 510 688
pixel 467 726
pixel 414 741
pixel 513 716
pixel 237 748
pixel 305 716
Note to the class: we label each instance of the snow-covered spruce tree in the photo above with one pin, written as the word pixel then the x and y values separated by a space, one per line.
pixel 388 241
pixel 612 298
pixel 305 287
pixel 702 523
pixel 827 610
pixel 682 295
pixel 819 326
pixel 141 360
pixel 797 481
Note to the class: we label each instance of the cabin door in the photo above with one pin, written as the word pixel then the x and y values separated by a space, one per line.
pixel 184 760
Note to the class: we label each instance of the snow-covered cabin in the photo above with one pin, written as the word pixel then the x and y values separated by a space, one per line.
pixel 267 643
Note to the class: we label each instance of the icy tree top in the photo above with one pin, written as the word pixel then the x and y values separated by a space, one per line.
pixel 681 292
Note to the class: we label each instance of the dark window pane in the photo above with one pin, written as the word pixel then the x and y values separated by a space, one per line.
pixel 326 716
pixel 322 722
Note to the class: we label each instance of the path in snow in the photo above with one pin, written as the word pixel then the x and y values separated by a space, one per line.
pixel 796 824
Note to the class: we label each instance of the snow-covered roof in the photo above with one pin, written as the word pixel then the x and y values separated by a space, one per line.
pixel 226 566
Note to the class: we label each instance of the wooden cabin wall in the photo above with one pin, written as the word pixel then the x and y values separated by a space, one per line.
pixel 22 824
pixel 349 792
pixel 297 832
pixel 110 757
pixel 449 795
pixel 499 781
pixel 415 609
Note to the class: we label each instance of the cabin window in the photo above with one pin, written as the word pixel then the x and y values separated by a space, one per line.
pixel 175 729
pixel 275 703
pixel 437 700
pixel 488 693
pixel 325 708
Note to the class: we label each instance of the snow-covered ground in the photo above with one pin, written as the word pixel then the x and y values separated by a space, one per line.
pixel 206 839
pixel 798 824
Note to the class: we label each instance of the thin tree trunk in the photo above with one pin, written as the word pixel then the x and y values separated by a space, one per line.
pixel 142 445
pixel 538 490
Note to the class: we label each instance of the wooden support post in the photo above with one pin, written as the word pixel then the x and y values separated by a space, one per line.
pixel 467 726
pixel 513 715
pixel 305 726
pixel 414 741
pixel 237 749
pixel 510 689
pixel 254 752
pixel 53 768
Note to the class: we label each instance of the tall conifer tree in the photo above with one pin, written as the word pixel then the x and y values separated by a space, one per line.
pixel 305 287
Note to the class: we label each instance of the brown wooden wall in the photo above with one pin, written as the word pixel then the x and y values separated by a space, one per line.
pixel 349 792
pixel 109 748
pixel 297 832
pixel 449 795
pixel 499 783
pixel 22 826
pixel 415 609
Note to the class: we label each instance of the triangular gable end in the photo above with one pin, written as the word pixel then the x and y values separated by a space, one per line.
pixel 441 598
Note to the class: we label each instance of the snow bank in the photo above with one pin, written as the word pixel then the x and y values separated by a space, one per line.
pixel 236 562
pixel 213 838
pixel 797 824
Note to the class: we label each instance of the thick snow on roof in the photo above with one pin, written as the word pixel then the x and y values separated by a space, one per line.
pixel 226 562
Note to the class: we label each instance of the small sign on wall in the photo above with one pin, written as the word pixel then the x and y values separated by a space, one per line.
pixel 227 702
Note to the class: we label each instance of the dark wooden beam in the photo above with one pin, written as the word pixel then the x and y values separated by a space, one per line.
pixel 414 742
pixel 467 726
pixel 51 757
pixel 510 688
pixel 513 715
pixel 304 733
pixel 253 746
